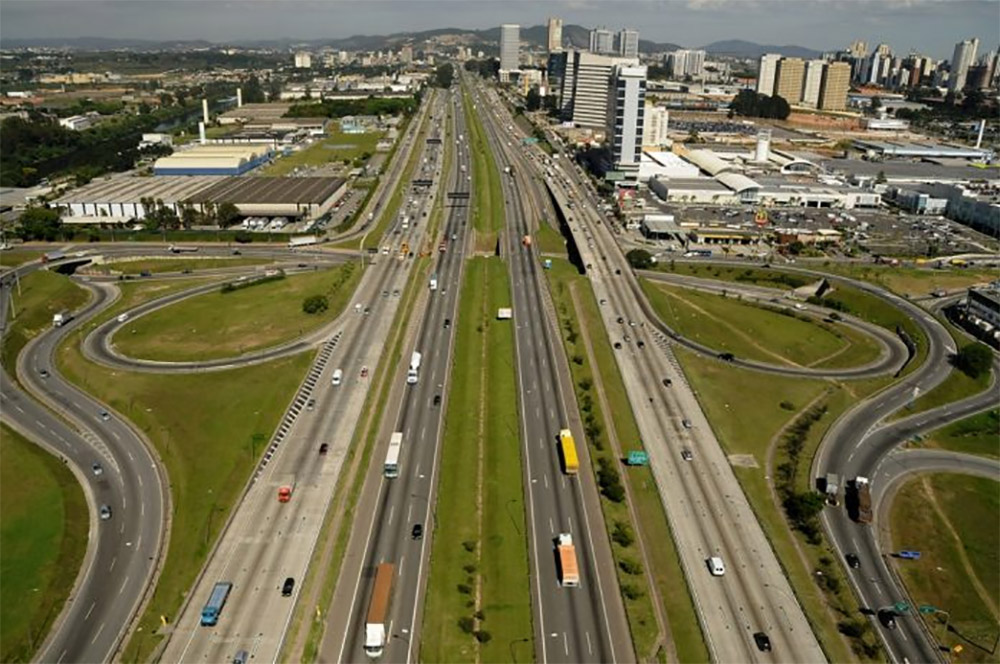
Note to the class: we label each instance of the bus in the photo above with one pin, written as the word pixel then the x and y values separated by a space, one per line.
pixel 217 600
pixel 392 457
pixel 571 464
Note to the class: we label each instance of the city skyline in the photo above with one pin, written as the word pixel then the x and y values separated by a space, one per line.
pixel 928 26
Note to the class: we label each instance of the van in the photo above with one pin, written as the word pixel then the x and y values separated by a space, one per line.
pixel 715 566
pixel 338 376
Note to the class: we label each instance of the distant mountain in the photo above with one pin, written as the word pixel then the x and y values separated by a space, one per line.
pixel 105 44
pixel 746 49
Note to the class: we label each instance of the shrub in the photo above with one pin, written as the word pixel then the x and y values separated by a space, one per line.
pixel 483 636
pixel 469 545
pixel 631 591
pixel 787 405
pixel 622 534
pixel 315 304
pixel 466 624
pixel 630 566
pixel 974 359
pixel 465 589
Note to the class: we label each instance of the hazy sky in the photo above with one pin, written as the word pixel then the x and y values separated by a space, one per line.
pixel 930 26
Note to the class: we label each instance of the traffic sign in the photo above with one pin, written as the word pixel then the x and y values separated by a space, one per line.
pixel 901 607
pixel 927 608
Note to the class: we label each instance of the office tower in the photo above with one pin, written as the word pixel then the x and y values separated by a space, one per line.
pixel 834 86
pixel 858 49
pixel 965 55
pixel 406 54
pixel 585 87
pixel 602 41
pixel 510 43
pixel 766 73
pixel 685 62
pixel 303 60
pixel 811 82
pixel 555 69
pixel 568 85
pixel 628 43
pixel 626 110
pixel 788 79
pixel 654 130
pixel 555 35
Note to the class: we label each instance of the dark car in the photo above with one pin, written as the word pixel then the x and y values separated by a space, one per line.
pixel 437 399
pixel 853 561
pixel 617 271
pixel 288 587
pixel 620 320
pixel 237 252
pixel 887 618
pixel 145 273
pixel 241 657
pixel 418 531
pixel 762 641
pixel 726 357
pixel 447 323
pixel 323 447
pixel 640 343
pixel 618 345
pixel 686 454
pixel 105 512
pixel 43 373
pixel 667 382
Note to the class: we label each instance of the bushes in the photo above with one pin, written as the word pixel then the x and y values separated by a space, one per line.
pixel 974 359
pixel 232 286
pixel 315 304
pixel 622 534
pixel 801 509
pixel 610 481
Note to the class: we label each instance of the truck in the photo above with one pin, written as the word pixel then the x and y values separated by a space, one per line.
pixel 832 488
pixel 411 375
pixel 526 241
pixel 404 249
pixel 61 318
pixel 862 490
pixel 567 447
pixel 378 610
pixel 434 282
pixel 174 249
pixel 213 607
pixel 302 241
pixel 569 573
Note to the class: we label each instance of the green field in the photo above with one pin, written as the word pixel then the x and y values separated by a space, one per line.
pixel 15 257
pixel 978 434
pixel 577 323
pixel 955 387
pixel 755 332
pixel 911 281
pixel 487 203
pixel 43 539
pixel 42 294
pixel 335 147
pixel 219 324
pixel 155 265
pixel 959 569
pixel 548 240
pixel 480 534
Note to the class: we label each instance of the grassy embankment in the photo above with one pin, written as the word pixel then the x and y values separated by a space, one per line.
pixel 488 207
pixel 43 539
pixel 155 265
pixel 336 146
pixel 230 407
pixel 478 600
pixel 978 434
pixel 219 324
pixel 685 640
pixel 910 281
pixel 15 257
pixel 959 568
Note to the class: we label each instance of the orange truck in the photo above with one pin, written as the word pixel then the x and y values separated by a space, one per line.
pixel 569 573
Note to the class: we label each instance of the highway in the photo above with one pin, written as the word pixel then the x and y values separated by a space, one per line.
pixel 585 624
pixel 388 508
pixel 267 541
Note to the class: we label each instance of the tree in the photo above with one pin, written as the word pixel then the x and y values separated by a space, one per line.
pixel 226 214
pixel 974 359
pixel 880 177
pixel 315 304
pixel 533 101
pixel 39 223
pixel 640 259
pixel 876 104
pixel 444 75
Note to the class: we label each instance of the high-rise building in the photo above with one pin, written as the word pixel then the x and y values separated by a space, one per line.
pixel 510 45
pixel 568 84
pixel 585 87
pixel 685 62
pixel 858 49
pixel 602 41
pixel 766 73
pixel 555 35
pixel 628 43
pixel 788 79
pixel 406 54
pixel 834 86
pixel 556 72
pixel 965 55
pixel 811 82
pixel 626 111
pixel 654 130
pixel 303 60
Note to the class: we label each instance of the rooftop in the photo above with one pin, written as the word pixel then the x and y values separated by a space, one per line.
pixel 278 190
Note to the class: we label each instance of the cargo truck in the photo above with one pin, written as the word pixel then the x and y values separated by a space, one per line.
pixel 862 490
pixel 569 574
pixel 412 374
pixel 378 610
pixel 61 318
pixel 832 488
pixel 571 464
pixel 175 249
pixel 434 282
pixel 302 241
pixel 213 607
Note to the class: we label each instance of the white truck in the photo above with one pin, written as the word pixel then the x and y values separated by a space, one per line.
pixel 411 375
pixel 302 241
pixel 434 282
pixel 61 318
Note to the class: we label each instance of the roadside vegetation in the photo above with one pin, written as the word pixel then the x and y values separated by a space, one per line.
pixel 910 282
pixel 225 324
pixel 478 595
pixel 154 265
pixel 958 572
pixel 16 257
pixel 646 559
pixel 978 434
pixel 487 196
pixel 43 539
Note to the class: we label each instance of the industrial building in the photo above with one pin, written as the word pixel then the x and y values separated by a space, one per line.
pixel 234 159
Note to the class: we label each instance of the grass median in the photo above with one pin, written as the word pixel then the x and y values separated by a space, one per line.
pixel 154 265
pixel 488 203
pixel 911 281
pixel 43 537
pixel 217 324
pixel 959 569
pixel 478 595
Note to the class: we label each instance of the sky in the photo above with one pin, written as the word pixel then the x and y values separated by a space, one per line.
pixel 931 27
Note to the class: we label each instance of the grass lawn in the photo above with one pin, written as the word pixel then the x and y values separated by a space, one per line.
pixel 225 324
pixel 480 540
pixel 750 331
pixel 978 434
pixel 548 240
pixel 953 388
pixel 488 204
pixel 959 570
pixel 652 526
pixel 335 147
pixel 15 257
pixel 747 426
pixel 176 264
pixel 42 294
pixel 43 539
pixel 911 281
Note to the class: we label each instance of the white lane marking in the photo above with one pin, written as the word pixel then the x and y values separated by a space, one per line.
pixel 124 583
pixel 409 512
pixel 115 434
pixel 590 647
pixel 545 479
pixel 113 561
pixel 90 610
pixel 41 425
pixel 392 511
pixel 99 630
pixel 566 643
pixel 551 526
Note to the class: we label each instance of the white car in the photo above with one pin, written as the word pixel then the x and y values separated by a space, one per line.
pixel 716 566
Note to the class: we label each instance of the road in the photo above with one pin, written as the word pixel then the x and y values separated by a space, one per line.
pixel 267 541
pixel 389 507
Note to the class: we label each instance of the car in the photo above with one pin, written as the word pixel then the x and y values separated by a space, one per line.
pixel 310 404
pixel 447 323
pixel 603 301
pixel 104 415
pixel 909 555
pixel 437 399
pixel 368 310
pixel 186 271
pixel 620 320
pixel 631 323
pixel 97 469
pixel 43 373
pixel 395 293
pixel 853 561
pixel 324 448
pixel 105 512
pixel 627 338
pixel 686 454
pixel 686 424
pixel 618 345
pixel 418 531
pixel 287 587
pixel 122 318
pixel 454 236
pixel 145 273
pixel 241 657
pixel 640 343
pixel 887 618
pixel 716 566
pixel 726 357
pixel 618 271
pixel 364 372
pixel 237 252
pixel 385 293
pixel 667 382
pixel 763 642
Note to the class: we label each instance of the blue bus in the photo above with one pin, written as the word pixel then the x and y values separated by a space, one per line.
pixel 217 600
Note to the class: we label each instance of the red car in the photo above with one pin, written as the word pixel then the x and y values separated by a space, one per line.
pixel 364 372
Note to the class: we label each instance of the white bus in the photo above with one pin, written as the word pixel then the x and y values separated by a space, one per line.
pixel 392 457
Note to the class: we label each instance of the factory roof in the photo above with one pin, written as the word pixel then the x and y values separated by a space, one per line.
pixel 911 149
pixel 249 190
pixel 708 161
pixel 167 188
pixel 258 111
pixel 737 181
pixel 909 170
pixel 696 184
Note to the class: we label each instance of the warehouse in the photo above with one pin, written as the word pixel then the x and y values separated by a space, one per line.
pixel 305 198
pixel 206 159
pixel 119 199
